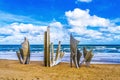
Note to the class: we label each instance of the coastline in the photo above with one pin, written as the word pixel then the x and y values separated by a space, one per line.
pixel 102 54
pixel 12 70
pixel 99 58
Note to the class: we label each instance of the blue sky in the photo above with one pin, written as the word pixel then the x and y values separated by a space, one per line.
pixel 90 21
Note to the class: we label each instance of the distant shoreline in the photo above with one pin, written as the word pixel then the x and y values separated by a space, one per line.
pixel 102 54
pixel 69 44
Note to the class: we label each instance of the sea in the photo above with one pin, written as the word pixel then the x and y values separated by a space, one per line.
pixel 103 54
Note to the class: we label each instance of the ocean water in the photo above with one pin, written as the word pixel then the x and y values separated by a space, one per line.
pixel 103 54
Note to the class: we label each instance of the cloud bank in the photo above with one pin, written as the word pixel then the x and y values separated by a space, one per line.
pixel 13 29
pixel 15 33
pixel 91 27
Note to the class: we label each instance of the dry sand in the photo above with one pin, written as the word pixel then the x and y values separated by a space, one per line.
pixel 12 70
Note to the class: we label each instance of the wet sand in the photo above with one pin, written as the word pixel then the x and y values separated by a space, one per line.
pixel 13 70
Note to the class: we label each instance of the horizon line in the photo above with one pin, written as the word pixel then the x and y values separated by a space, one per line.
pixel 69 44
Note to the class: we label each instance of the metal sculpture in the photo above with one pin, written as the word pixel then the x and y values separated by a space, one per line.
pixel 75 53
pixel 24 52
pixel 87 57
pixel 49 58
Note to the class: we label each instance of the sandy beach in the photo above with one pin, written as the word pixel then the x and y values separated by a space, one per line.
pixel 12 70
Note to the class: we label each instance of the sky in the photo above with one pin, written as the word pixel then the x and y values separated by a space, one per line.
pixel 89 21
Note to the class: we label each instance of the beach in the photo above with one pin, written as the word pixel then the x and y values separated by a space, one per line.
pixel 13 70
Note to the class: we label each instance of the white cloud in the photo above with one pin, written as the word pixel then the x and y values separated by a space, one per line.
pixel 56 25
pixel 13 29
pixel 15 33
pixel 114 29
pixel 58 33
pixel 80 20
pixel 87 1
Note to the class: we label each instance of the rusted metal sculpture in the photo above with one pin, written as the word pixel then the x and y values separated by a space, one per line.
pixel 87 57
pixel 47 47
pixel 24 52
pixel 75 53
pixel 49 58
